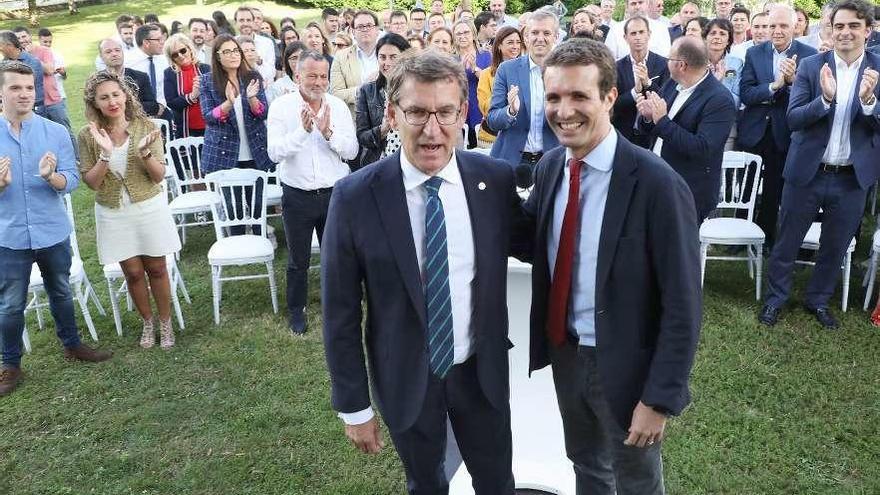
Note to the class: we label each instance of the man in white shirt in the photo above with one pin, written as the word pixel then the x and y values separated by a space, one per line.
pixel 309 134
pixel 498 8
pixel 655 12
pixel 760 29
pixel 607 12
pixel 152 61
pixel 358 63
pixel 124 34
pixel 246 23
pixel 424 233
pixel 198 29
pixel 831 162
pixel 659 42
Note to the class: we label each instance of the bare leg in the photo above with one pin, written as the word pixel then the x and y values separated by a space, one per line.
pixel 135 278
pixel 160 284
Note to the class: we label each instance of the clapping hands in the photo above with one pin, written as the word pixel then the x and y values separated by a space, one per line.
pixel 5 171
pixel 651 107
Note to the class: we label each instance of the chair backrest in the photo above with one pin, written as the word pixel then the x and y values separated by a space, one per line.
pixel 741 174
pixel 74 243
pixel 165 128
pixel 185 155
pixel 242 202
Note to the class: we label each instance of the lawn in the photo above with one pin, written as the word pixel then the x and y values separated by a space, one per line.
pixel 243 408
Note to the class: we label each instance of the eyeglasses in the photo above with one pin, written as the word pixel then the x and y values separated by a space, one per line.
pixel 230 51
pixel 364 27
pixel 154 39
pixel 445 116
pixel 179 53
pixel 341 45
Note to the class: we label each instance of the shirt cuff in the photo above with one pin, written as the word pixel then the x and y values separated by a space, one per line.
pixel 511 116
pixel 218 114
pixel 868 109
pixel 357 418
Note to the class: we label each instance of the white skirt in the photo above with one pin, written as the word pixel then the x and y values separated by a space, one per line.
pixel 145 228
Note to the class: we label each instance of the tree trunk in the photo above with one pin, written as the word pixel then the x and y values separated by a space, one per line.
pixel 32 12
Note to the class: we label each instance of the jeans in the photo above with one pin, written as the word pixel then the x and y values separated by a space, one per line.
pixel 15 272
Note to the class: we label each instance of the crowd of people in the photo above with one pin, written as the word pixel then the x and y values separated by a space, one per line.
pixel 360 113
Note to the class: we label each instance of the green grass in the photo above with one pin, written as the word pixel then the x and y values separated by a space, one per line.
pixel 243 408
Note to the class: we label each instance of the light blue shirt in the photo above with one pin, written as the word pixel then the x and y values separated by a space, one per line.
pixel 595 179
pixel 535 139
pixel 32 213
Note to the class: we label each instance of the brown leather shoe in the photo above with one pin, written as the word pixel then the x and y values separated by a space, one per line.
pixel 9 378
pixel 86 353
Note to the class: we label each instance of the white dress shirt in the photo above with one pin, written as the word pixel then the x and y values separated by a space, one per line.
pixel 680 99
pixel 659 42
pixel 141 62
pixel 369 62
pixel 127 51
pixel 535 138
pixel 838 150
pixel 459 246
pixel 739 50
pixel 266 51
pixel 305 159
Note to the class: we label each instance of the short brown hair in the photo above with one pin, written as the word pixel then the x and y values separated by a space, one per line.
pixel 427 66
pixel 15 67
pixel 586 52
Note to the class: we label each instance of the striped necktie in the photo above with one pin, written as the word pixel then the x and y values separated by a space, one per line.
pixel 437 298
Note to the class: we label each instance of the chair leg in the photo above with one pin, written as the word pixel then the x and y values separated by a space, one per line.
pixel 26 339
pixel 273 290
pixel 215 289
pixel 871 275
pixel 847 269
pixel 180 283
pixel 176 302
pixel 114 306
pixel 759 261
pixel 38 309
pixel 751 255
pixel 91 294
pixel 83 299
pixel 704 250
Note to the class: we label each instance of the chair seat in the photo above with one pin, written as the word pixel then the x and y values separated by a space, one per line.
pixel 241 250
pixel 811 240
pixel 114 270
pixel 273 194
pixel 730 231
pixel 76 273
pixel 193 202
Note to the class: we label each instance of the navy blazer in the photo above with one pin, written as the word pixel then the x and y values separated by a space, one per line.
pixel 762 104
pixel 811 123
pixel 368 244
pixel 514 131
pixel 625 114
pixel 648 295
pixel 693 142
pixel 675 32
pixel 140 82
pixel 221 135
pixel 177 100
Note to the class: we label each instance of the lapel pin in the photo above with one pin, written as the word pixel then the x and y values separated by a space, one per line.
pixel 481 186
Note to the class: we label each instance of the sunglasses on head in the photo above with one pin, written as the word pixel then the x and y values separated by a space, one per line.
pixel 179 53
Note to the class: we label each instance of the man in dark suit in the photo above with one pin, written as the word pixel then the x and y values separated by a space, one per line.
pixel 689 124
pixel 638 73
pixel 111 52
pixel 688 11
pixel 425 233
pixel 764 90
pixel 616 298
pixel 832 162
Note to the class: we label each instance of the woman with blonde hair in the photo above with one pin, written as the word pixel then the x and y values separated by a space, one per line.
pixel 182 88
pixel 474 61
pixel 122 161
pixel 316 39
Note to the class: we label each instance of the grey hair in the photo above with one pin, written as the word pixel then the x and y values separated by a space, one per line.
pixel 427 66
pixel 308 55
pixel 784 6
pixel 540 15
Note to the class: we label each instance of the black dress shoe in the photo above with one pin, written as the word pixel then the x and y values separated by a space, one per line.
pixel 769 315
pixel 824 317
pixel 298 322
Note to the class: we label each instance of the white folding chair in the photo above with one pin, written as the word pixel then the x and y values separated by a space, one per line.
pixel 165 129
pixel 83 291
pixel 274 193
pixel 871 273
pixel 740 176
pixel 481 144
pixel 184 155
pixel 235 186
pixel 811 242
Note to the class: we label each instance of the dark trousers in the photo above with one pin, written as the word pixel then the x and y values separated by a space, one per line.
pixel 843 202
pixel 603 465
pixel 774 162
pixel 303 212
pixel 236 199
pixel 481 431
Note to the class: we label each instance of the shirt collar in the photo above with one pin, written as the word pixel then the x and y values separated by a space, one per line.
pixel 362 54
pixel 532 64
pixel 783 52
pixel 413 177
pixel 601 157
pixel 842 65
pixel 681 89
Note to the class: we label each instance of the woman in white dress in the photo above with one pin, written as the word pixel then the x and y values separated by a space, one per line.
pixel 122 161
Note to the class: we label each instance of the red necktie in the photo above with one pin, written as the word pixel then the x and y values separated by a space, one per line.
pixel 557 309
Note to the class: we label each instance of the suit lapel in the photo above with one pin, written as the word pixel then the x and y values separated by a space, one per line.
pixel 355 65
pixel 525 89
pixel 390 200
pixel 552 181
pixel 619 192
pixel 481 221
pixel 626 76
pixel 856 103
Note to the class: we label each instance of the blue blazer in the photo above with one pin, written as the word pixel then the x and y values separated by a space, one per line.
pixel 811 123
pixel 763 105
pixel 177 100
pixel 648 296
pixel 624 115
pixel 368 244
pixel 514 131
pixel 693 142
pixel 221 136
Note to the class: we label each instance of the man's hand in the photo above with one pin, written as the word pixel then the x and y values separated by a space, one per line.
pixel 644 107
pixel 307 117
pixel 827 83
pixel 513 99
pixel 5 171
pixel 366 436
pixel 867 86
pixel 646 428
pixel 640 73
pixel 787 68
pixel 323 122
pixel 658 106
pixel 47 165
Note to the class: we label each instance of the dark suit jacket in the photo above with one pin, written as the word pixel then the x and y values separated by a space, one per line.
pixel 811 123
pixel 177 100
pixel 675 32
pixel 693 142
pixel 873 39
pixel 513 132
pixel 624 116
pixel 369 113
pixel 762 104
pixel 368 243
pixel 648 296
pixel 140 82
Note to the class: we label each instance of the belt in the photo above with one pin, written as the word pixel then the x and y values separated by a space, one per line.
pixel 314 192
pixel 836 169
pixel 531 157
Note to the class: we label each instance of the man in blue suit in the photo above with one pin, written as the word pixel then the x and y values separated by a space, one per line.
pixel 516 110
pixel 832 162
pixel 689 124
pixel 638 73
pixel 764 90
pixel 424 233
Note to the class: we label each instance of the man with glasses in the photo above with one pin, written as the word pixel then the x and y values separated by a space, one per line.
pixel 152 62
pixel 357 64
pixel 245 20
pixel 417 18
pixel 398 23
pixel 305 128
pixel 424 233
